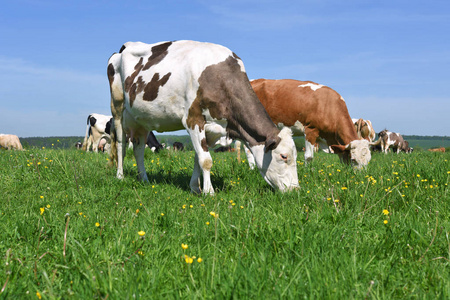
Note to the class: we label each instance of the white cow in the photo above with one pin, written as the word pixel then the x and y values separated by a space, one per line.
pixel 98 128
pixel 10 142
pixel 200 87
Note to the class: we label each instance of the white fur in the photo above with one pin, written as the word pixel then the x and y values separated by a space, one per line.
pixel 313 86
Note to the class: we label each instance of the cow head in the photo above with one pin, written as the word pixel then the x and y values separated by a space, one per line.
pixel 277 161
pixel 357 153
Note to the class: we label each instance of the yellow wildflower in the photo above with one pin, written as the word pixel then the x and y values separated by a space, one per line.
pixel 141 233
pixel 189 260
pixel 37 293
pixel 97 224
pixel 199 259
pixel 42 210
pixel 385 221
pixel 385 211
pixel 184 246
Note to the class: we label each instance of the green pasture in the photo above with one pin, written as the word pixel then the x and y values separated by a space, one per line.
pixel 70 230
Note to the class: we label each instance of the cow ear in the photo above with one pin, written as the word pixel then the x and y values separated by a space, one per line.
pixel 271 144
pixel 339 148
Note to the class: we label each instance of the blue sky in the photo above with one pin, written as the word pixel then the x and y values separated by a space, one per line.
pixel 390 60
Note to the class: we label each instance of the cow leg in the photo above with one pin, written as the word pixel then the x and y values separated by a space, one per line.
pixel 139 149
pixel 204 161
pixel 250 158
pixel 88 143
pixel 309 151
pixel 195 179
pixel 121 151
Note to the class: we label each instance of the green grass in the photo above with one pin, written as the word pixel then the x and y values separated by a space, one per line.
pixel 326 240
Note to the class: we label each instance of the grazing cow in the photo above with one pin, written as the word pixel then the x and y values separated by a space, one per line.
pixel 153 143
pixel 10 142
pixel 200 87
pixel 364 129
pixel 98 127
pixel 317 112
pixel 441 149
pixel 387 140
pixel 78 145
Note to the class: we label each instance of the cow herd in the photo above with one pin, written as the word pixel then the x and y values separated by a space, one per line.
pixel 204 89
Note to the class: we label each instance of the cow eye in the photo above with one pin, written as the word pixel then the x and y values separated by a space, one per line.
pixel 283 157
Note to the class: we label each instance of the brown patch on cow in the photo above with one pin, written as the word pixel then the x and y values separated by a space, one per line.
pixel 321 112
pixel 130 79
pixel 122 48
pixel 204 145
pixel 136 88
pixel 158 54
pixel 226 92
pixel 235 56
pixel 152 88
pixel 111 73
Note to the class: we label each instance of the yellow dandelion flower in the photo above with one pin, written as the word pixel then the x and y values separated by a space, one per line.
pixel 134 165
pixel 48 205
pixel 385 212
pixel 137 210
pixel 213 214
pixel 343 188
pixel 80 213
pixel 191 206
pixel 242 206
pixel 207 223
pixel 385 221
pixel 42 210
pixel 184 246
pixel 141 233
pixel 189 260
pixel 42 197
pixel 37 293
pixel 199 260
pixel 162 214
pixel 337 200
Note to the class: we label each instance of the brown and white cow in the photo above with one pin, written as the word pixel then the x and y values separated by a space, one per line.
pixel 98 128
pixel 317 112
pixel 10 142
pixel 388 139
pixel 200 87
pixel 364 129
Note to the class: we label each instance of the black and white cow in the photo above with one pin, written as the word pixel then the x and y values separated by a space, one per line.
pixel 153 143
pixel 200 87
pixel 98 127
pixel 178 146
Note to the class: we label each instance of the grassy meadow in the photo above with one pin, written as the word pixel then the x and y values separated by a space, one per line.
pixel 70 230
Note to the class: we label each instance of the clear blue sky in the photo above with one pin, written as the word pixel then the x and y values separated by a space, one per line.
pixel 390 60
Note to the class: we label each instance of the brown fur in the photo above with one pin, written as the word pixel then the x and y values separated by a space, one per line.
pixel 441 149
pixel 322 112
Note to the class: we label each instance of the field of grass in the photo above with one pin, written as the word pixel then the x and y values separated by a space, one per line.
pixel 70 229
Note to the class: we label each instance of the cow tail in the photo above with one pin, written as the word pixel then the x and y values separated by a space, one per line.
pixel 86 135
pixel 117 101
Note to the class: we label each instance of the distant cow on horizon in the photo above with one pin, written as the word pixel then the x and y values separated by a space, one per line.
pixel 441 149
pixel 394 140
pixel 98 127
pixel 10 142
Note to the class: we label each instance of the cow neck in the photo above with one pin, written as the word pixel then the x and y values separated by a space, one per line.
pixel 225 91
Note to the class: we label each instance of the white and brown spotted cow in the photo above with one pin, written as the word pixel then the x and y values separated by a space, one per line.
pixel 317 112
pixel 364 129
pixel 394 140
pixel 10 142
pixel 200 87
pixel 98 128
